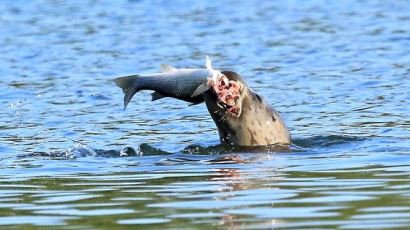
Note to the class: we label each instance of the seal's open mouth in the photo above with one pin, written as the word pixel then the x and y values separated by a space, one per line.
pixel 228 94
pixel 233 109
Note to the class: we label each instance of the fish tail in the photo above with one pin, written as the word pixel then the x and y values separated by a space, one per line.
pixel 129 86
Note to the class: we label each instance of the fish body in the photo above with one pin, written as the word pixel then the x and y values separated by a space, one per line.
pixel 175 83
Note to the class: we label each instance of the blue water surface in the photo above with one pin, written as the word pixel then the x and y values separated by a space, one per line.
pixel 337 71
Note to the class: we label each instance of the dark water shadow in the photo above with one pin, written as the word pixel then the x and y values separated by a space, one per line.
pixel 309 144
pixel 322 141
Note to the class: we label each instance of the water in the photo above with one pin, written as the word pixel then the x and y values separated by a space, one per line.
pixel 338 71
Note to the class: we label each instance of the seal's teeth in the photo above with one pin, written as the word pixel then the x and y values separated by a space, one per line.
pixel 220 105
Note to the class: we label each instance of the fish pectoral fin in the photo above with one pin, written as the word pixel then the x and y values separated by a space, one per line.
pixel 156 96
pixel 202 88
pixel 167 68
pixel 196 103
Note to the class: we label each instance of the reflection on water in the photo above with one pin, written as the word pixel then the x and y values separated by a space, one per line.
pixel 295 190
pixel 70 158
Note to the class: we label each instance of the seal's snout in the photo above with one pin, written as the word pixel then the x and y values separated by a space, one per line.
pixel 228 90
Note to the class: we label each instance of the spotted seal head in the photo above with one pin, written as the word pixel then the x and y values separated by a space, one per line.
pixel 243 118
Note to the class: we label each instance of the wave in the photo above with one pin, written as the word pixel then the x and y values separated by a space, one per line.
pixel 145 149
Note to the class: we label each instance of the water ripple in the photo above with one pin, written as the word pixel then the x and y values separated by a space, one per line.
pixel 70 157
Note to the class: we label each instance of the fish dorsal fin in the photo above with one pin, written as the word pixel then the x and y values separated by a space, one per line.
pixel 167 68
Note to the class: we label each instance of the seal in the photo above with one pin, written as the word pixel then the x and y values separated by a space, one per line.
pixel 249 121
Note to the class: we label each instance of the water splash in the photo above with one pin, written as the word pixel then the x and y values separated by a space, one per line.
pixel 309 144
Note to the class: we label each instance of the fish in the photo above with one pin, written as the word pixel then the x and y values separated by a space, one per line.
pixel 242 117
pixel 183 84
